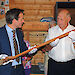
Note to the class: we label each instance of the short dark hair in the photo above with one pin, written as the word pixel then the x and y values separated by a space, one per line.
pixel 13 14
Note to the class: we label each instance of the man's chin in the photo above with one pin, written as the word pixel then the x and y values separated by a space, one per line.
pixel 20 27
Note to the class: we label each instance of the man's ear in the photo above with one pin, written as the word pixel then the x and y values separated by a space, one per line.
pixel 14 20
pixel 69 19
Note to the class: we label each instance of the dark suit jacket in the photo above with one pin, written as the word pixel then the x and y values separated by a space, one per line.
pixel 5 48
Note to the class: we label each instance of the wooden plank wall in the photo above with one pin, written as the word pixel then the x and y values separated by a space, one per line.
pixel 34 30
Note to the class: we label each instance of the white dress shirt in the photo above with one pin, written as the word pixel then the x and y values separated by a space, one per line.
pixel 10 35
pixel 64 50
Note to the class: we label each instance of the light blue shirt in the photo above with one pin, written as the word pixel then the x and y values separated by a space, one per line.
pixel 10 35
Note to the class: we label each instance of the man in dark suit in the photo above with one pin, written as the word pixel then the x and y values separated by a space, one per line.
pixel 14 19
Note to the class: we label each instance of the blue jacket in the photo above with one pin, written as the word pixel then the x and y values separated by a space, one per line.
pixel 5 48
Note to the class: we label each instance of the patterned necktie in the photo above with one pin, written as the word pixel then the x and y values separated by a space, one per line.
pixel 15 46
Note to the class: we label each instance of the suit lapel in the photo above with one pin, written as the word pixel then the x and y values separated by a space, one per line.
pixel 7 42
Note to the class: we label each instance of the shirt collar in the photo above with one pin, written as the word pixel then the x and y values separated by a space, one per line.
pixel 8 28
pixel 64 29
